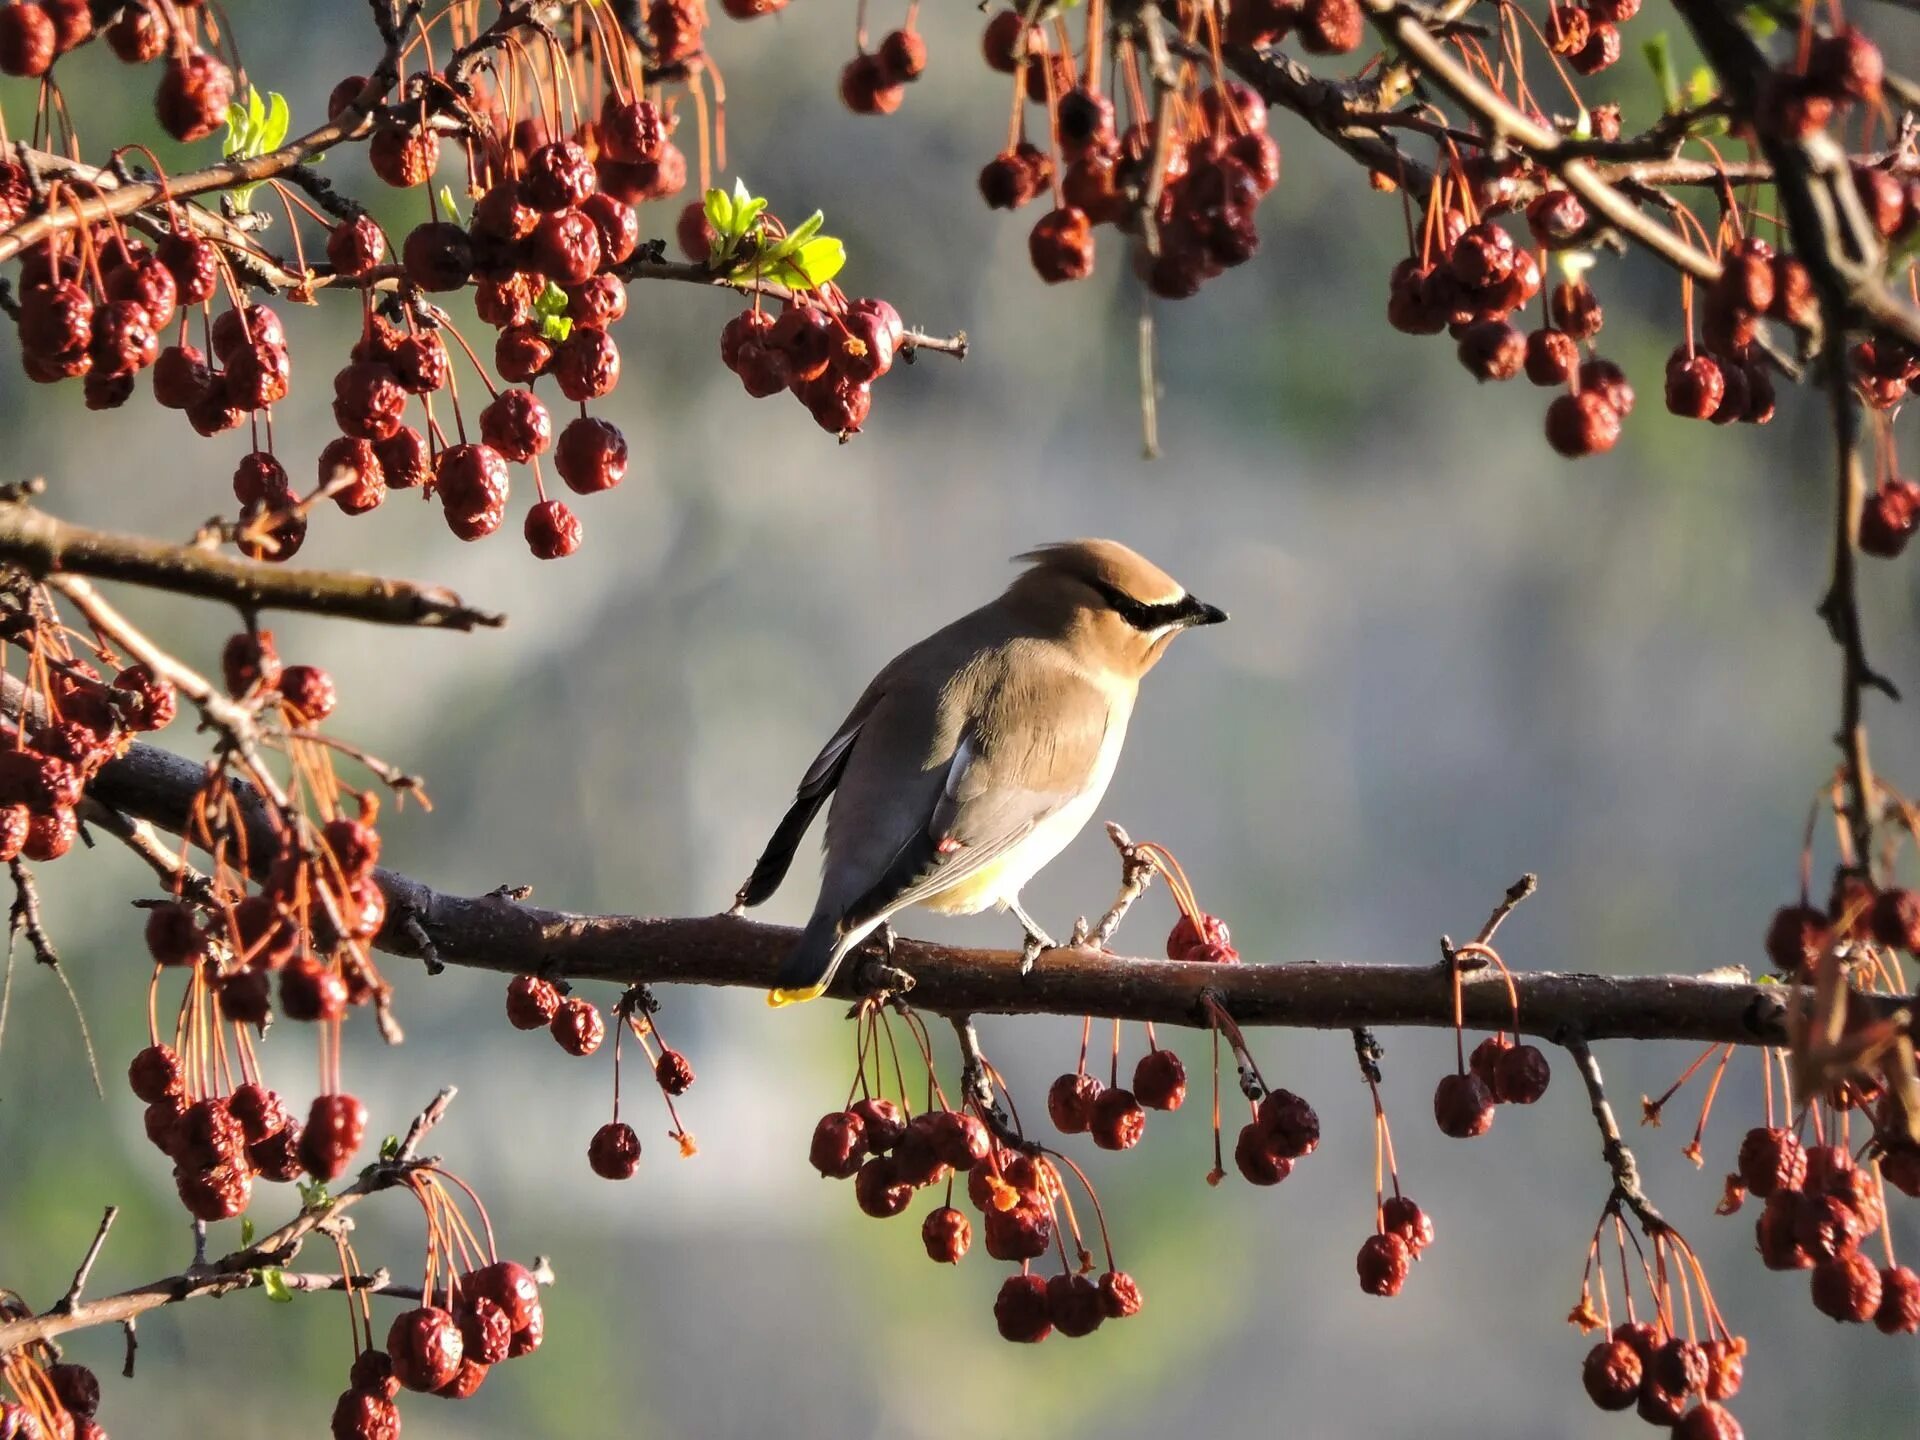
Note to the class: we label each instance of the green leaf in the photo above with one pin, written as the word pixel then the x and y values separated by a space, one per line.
pixel 1759 22
pixel 820 259
pixel 1659 53
pixel 246 1231
pixel 256 110
pixel 313 1194
pixel 446 199
pixel 555 327
pixel 390 1148
pixel 745 215
pixel 1700 86
pixel 719 211
pixel 237 131
pixel 275 1283
pixel 551 301
pixel 279 117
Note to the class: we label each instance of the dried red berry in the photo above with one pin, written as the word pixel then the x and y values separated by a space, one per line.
pixel 592 455
pixel 1061 246
pixel 1521 1075
pixel 947 1234
pixel 336 1124
pixel 1382 1264
pixel 1022 1232
pixel 173 932
pixel 1611 1374
pixel 311 990
pixel 28 43
pixel 614 1152
pixel 1463 1106
pixel 509 1285
pixel 552 530
pixel 883 1122
pixel 578 1026
pixel 1400 1216
pixel 878 1190
pixel 350 469
pixel 1776 1233
pixel 1896 919
pixel 155 1073
pixel 1583 424
pixel 1117 1120
pixel 1160 1080
pixel 425 1347
pixel 1771 1160
pixel 1680 1367
pixel 191 102
pixel 362 1415
pixel 1899 1312
pixel 1708 1421
pixel 839 1144
pixel 1291 1125
pixel 531 1002
pixel 1847 1288
pixel 587 364
pixel 1256 1157
pixel 401 155
pixel 1020 1310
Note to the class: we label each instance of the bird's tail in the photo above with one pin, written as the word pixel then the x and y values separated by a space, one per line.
pixel 809 966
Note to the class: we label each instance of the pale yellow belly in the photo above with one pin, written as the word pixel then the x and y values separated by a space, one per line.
pixel 978 891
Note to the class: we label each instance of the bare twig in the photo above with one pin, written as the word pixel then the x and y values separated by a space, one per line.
pixel 72 1297
pixel 1620 1160
pixel 242 1269
pixel 24 919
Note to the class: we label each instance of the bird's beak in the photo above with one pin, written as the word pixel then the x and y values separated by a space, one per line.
pixel 1201 613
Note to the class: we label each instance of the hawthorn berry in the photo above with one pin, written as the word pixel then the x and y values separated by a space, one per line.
pixel 194 92
pixel 349 467
pixel 1070 1102
pixel 882 1122
pixel 1291 1125
pixel 839 1145
pixel 1257 1157
pixel 1520 1075
pixel 586 364
pixel 516 424
pixel 1160 1080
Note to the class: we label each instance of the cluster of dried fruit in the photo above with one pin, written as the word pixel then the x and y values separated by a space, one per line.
pixel 56 1399
pixel 195 88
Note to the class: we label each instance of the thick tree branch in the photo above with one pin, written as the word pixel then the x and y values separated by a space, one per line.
pixel 43 545
pixel 493 932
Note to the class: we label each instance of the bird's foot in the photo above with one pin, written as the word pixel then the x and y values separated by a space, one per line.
pixel 1037 939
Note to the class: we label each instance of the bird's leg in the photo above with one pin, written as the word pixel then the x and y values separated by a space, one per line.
pixel 881 977
pixel 1037 939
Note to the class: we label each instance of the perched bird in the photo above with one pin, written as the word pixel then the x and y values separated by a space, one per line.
pixel 976 755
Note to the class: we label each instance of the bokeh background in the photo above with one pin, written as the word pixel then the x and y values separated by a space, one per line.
pixel 1454 657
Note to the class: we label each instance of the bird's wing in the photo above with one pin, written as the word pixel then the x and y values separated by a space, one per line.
pixel 815 786
pixel 1016 764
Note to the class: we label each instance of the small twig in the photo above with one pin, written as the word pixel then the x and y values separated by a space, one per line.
pixel 72 1297
pixel 1620 1159
pixel 25 919
pixel 1136 874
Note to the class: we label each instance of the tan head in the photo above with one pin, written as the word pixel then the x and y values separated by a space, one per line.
pixel 1116 608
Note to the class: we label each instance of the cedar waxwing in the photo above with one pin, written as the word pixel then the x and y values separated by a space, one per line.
pixel 975 756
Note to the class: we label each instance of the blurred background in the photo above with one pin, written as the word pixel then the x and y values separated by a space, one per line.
pixel 1454 657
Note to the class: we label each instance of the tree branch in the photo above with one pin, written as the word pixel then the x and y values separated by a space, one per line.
pixel 240 1270
pixel 1620 1160
pixel 494 932
pixel 43 545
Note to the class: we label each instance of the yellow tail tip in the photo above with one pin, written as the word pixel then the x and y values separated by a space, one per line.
pixel 779 998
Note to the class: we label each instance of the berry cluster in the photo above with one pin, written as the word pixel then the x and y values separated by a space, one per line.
pixel 875 82
pixel 476 1311
pixel 56 1399
pixel 195 87
pixel 534 1002
pixel 1187 198
pixel 825 351
pixel 1017 1187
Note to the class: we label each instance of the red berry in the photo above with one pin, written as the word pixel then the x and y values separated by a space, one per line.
pixel 531 1002
pixel 1847 1288
pixel 350 469
pixel 1061 246
pixel 336 1124
pixel 402 156
pixel 947 1234
pixel 552 530
pixel 1899 1312
pixel 1119 1295
pixel 1160 1080
pixel 425 1347
pixel 587 364
pixel 1020 1310
pixel 28 42
pixel 1611 1374
pixel 1291 1125
pixel 592 455
pixel 192 99
pixel 1463 1106
pixel 1257 1158
pixel 1520 1075
pixel 883 1123
pixel 1070 1102
pixel 614 1152
pixel 578 1027
pixel 1400 1216
pixel 1583 424
pixel 878 1191
pixel 1382 1264
pixel 839 1145
pixel 517 425
pixel 1771 1160
pixel 1074 1306
pixel 309 690
pixel 155 1074
pixel 1117 1120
